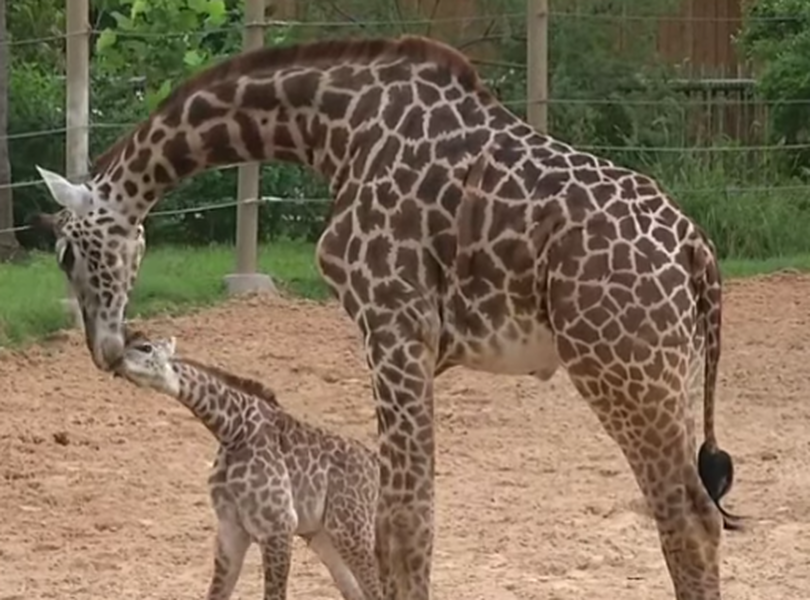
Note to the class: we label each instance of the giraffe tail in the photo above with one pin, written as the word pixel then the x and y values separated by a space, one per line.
pixel 715 466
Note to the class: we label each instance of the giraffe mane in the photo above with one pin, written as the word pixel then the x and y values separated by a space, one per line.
pixel 246 385
pixel 417 48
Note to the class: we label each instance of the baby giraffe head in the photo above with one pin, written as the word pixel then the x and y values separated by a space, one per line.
pixel 149 364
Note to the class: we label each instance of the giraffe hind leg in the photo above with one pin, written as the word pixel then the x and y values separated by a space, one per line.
pixel 655 443
pixel 634 378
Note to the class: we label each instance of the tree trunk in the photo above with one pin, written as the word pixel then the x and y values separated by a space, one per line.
pixel 8 241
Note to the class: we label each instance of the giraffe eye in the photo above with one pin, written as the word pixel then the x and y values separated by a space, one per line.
pixel 144 347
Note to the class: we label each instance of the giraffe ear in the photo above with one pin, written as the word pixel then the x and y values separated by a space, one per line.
pixel 171 345
pixel 75 198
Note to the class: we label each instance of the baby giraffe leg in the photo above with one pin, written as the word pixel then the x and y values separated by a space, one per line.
pixel 231 545
pixel 276 560
pixel 344 580
pixel 353 537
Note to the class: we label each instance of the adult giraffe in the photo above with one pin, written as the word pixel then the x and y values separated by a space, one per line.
pixel 545 256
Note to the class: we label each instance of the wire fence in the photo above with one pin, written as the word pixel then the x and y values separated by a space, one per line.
pixel 397 23
pixel 721 118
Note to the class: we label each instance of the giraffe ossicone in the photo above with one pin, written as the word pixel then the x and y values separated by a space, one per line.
pixel 550 258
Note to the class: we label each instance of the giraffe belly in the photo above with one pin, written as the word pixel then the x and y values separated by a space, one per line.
pixel 310 512
pixel 531 353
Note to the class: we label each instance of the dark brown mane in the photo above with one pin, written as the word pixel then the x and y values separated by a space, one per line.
pixel 245 385
pixel 105 158
pixel 358 50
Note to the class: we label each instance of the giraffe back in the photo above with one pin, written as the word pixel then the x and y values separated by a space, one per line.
pixel 324 468
pixel 587 220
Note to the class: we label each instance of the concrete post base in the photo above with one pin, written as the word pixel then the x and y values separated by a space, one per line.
pixel 246 283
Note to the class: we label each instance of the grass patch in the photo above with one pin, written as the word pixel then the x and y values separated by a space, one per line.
pixel 738 268
pixel 174 280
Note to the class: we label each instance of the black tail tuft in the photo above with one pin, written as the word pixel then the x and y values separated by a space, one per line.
pixel 717 473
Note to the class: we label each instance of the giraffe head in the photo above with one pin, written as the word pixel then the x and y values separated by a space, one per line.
pixel 149 364
pixel 100 251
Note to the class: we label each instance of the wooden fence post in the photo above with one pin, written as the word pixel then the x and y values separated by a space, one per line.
pixel 537 64
pixel 77 106
pixel 247 278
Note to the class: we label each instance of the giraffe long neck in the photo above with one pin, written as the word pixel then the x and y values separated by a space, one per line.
pixel 228 412
pixel 342 119
pixel 295 116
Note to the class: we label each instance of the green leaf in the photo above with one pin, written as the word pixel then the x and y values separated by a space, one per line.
pixel 139 7
pixel 121 20
pixel 217 13
pixel 106 40
pixel 190 21
pixel 153 98
pixel 198 6
pixel 193 58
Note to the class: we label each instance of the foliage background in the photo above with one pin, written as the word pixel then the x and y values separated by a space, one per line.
pixel 621 102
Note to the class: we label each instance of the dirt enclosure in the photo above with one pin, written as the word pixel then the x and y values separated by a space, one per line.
pixel 102 486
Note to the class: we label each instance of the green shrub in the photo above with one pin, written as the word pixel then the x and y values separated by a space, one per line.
pixel 616 99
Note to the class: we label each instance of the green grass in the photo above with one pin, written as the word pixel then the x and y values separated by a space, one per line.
pixel 748 268
pixel 174 280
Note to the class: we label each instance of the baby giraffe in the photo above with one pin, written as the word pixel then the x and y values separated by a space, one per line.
pixel 274 476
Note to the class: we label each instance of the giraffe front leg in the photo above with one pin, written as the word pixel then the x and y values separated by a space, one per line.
pixel 382 551
pixel 231 545
pixel 403 365
pixel 232 540
pixel 276 560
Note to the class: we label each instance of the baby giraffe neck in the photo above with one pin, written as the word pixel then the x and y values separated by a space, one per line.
pixel 224 410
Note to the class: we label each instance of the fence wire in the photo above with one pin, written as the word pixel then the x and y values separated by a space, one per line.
pixel 552 14
pixel 573 14
pixel 728 190
pixel 684 103
pixel 566 14
pixel 209 207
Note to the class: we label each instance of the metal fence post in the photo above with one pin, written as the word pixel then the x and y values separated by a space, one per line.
pixel 77 106
pixel 537 64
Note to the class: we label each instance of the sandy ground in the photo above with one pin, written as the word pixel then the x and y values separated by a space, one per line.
pixel 102 486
